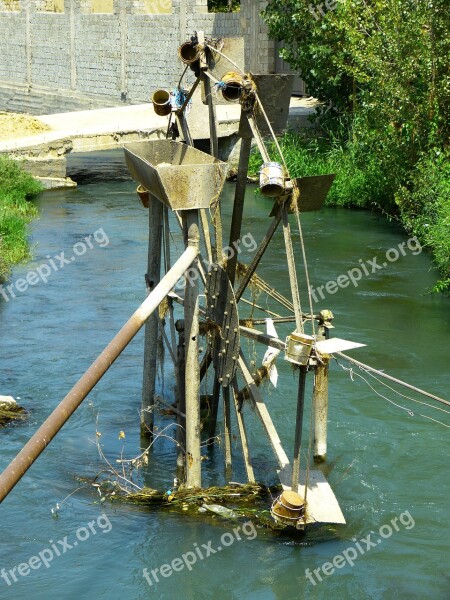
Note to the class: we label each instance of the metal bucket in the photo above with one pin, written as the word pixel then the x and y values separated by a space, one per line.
pixel 298 348
pixel 161 103
pixel 178 175
pixel 144 195
pixel 188 53
pixel 232 86
pixel 288 508
pixel 271 179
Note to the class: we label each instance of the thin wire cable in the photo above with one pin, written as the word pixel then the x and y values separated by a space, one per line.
pixel 410 412
pixel 394 379
pixel 404 395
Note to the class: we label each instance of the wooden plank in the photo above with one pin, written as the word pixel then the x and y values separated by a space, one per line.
pixel 243 435
pixel 238 206
pixel 323 506
pixel 259 253
pixel 227 432
pixel 263 413
pixel 155 232
pixel 192 375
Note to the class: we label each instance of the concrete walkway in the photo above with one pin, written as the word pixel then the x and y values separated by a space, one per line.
pixel 137 119
pixel 43 154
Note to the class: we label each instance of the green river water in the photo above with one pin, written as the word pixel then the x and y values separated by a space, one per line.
pixel 383 461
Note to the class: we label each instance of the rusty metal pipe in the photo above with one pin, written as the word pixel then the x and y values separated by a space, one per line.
pixel 48 430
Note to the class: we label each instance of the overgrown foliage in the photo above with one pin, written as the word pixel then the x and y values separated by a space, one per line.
pixel 223 5
pixel 16 189
pixel 382 69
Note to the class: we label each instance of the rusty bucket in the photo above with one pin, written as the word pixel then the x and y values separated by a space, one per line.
pixel 288 508
pixel 232 86
pixel 188 53
pixel 161 103
pixel 144 195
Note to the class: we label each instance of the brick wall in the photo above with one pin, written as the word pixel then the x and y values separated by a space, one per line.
pixel 116 50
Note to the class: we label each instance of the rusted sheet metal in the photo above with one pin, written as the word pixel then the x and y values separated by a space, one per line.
pixel 223 334
pixel 275 93
pixel 313 192
pixel 178 175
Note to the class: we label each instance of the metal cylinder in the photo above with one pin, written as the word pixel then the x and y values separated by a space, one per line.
pixel 320 403
pixel 161 103
pixel 48 430
pixel 188 53
pixel 271 179
pixel 232 86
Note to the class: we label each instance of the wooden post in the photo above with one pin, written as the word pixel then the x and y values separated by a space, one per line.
pixel 227 432
pixel 298 429
pixel 181 396
pixel 258 403
pixel 259 253
pixel 292 270
pixel 155 226
pixel 192 375
pixel 320 404
pixel 238 206
pixel 243 434
pixel 214 411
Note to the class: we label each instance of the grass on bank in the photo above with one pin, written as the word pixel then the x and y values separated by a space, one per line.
pixel 419 200
pixel 17 188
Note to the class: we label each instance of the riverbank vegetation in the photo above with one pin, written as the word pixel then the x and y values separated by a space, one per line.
pixel 16 189
pixel 382 72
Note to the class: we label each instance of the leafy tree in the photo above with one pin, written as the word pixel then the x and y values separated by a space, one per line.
pixel 223 5
pixel 383 68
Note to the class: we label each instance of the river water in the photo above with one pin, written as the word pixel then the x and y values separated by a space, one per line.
pixel 386 465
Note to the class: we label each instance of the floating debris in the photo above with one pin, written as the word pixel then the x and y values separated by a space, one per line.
pixel 10 411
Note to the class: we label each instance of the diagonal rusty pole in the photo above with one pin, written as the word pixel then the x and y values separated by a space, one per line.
pixel 48 430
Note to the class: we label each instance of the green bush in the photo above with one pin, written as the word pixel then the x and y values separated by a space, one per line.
pixel 16 189
pixel 424 205
pixel 356 184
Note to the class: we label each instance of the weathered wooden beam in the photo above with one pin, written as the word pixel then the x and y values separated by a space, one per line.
pixel 214 408
pixel 292 270
pixel 265 339
pixel 181 110
pixel 298 428
pixel 155 229
pixel 239 199
pixel 227 432
pixel 243 435
pixel 259 253
pixel 192 376
pixel 263 413
pixel 320 407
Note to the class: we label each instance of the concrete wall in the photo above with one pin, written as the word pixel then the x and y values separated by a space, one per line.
pixel 58 55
